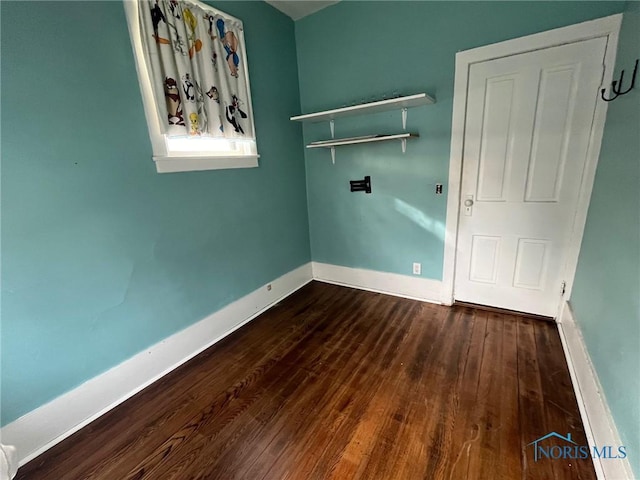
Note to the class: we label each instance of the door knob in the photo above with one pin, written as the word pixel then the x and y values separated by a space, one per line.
pixel 468 202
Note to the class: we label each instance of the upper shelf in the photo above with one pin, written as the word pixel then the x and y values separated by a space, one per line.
pixel 372 107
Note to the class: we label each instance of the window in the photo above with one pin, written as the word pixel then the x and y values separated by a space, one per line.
pixel 192 69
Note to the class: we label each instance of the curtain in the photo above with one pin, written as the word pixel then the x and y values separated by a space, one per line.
pixel 197 62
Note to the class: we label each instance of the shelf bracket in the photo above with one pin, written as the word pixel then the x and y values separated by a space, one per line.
pixel 332 127
pixel 404 145
pixel 404 118
pixel 333 154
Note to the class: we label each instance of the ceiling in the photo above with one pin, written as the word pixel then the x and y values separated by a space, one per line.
pixel 297 9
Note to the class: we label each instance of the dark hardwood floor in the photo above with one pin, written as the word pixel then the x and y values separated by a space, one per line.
pixel 335 383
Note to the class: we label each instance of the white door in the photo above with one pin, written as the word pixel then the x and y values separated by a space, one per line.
pixel 527 132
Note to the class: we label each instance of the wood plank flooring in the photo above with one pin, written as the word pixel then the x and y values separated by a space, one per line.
pixel 335 383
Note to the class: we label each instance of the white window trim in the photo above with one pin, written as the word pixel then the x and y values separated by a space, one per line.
pixel 166 161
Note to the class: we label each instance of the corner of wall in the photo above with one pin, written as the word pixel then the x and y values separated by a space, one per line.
pixel 600 427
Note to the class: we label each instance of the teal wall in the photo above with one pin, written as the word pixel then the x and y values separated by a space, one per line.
pixel 356 51
pixel 101 256
pixel 606 292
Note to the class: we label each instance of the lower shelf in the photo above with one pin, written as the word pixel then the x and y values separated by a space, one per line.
pixel 336 142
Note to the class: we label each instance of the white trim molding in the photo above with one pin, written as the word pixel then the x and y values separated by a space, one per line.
pixel 51 423
pixel 608 27
pixel 191 164
pixel 594 410
pixel 415 288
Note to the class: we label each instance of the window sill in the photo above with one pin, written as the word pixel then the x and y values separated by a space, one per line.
pixel 190 164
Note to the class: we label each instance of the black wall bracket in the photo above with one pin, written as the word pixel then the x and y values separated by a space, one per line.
pixel 361 185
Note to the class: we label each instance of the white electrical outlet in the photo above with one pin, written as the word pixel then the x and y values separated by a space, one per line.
pixel 417 268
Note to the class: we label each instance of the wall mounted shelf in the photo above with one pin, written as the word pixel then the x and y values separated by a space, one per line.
pixel 337 142
pixel 398 103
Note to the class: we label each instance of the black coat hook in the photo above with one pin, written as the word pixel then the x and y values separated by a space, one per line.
pixel 617 90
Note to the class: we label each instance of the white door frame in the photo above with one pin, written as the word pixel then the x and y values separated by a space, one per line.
pixel 603 27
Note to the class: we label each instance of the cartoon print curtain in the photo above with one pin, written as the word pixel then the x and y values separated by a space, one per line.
pixel 197 64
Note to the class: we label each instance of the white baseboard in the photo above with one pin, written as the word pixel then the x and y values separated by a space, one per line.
pixel 51 423
pixel 415 288
pixel 596 416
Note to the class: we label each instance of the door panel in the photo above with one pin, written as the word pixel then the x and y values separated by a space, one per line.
pixel 551 134
pixel 485 252
pixel 527 133
pixel 532 257
pixel 495 156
